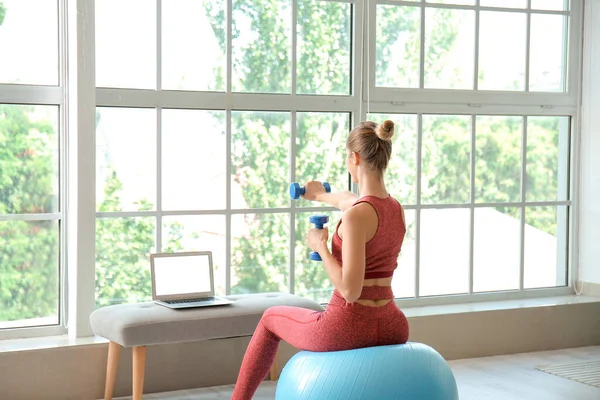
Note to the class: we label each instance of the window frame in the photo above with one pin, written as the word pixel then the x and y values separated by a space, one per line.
pixel 569 99
pixel 79 97
pixel 48 95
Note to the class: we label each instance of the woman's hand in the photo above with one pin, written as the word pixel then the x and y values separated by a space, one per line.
pixel 317 239
pixel 313 190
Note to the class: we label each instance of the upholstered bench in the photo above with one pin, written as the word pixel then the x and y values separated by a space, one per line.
pixel 145 324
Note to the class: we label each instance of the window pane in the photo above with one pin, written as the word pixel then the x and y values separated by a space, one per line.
pixel 504 3
pixel 29 42
pixel 558 5
pixel 123 247
pixel 548 149
pixel 199 233
pixel 449 48
pixel 260 258
pixel 497 249
pixel 126 53
pixel 444 251
pixel 401 174
pixel 29 273
pixel 546 67
pixel 546 246
pixel 312 280
pixel 125 159
pixel 29 162
pixel 260 159
pixel 324 37
pixel 502 51
pixel 403 282
pixel 398 43
pixel 262 45
pixel 446 159
pixel 186 65
pixel 321 151
pixel 190 167
pixel 498 159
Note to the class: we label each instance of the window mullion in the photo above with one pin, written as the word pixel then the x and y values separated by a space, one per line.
pixel 294 54
pixel 523 199
pixel 528 46
pixel 228 230
pixel 472 201
pixel 418 208
pixel 228 49
pixel 476 48
pixel 80 187
pixel 422 50
pixel 292 247
pixel 158 45
pixel 159 208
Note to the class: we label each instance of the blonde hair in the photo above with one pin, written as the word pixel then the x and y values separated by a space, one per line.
pixel 373 143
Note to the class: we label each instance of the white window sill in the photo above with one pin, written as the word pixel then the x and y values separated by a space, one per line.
pixel 497 305
pixel 50 342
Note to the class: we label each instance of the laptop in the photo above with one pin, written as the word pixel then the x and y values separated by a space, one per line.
pixel 184 280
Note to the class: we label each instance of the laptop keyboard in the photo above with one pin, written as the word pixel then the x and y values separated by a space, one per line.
pixel 199 300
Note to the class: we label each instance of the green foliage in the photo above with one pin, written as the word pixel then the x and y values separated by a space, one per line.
pixel 260 162
pixel 2 12
pixel 123 247
pixel 29 266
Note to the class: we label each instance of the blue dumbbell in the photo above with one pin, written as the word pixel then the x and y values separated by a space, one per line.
pixel 319 221
pixel 296 190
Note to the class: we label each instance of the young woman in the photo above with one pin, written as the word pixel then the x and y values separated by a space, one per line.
pixel 364 253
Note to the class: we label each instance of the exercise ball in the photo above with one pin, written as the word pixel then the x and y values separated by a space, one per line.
pixel 411 371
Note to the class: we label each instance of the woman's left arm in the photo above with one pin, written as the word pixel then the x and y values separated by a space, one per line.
pixel 349 279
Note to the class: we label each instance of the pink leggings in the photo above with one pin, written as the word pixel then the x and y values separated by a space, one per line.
pixel 342 326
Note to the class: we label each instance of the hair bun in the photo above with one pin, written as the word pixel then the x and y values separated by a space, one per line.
pixel 385 130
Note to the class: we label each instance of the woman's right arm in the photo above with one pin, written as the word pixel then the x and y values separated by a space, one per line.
pixel 316 192
pixel 341 200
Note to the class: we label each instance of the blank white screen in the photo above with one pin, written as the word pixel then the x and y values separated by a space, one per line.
pixel 181 274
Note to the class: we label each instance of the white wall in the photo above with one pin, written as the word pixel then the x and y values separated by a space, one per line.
pixel 589 249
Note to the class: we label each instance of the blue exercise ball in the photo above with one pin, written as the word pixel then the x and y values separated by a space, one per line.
pixel 411 371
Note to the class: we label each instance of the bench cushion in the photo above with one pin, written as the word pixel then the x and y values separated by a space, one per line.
pixel 144 324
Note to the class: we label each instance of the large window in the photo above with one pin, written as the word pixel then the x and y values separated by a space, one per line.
pixel 206 110
pixel 218 131
pixel 251 96
pixel 490 212
pixel 31 207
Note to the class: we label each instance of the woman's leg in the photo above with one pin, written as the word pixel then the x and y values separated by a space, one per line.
pixel 300 327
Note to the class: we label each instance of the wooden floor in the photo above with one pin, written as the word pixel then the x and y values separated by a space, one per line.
pixel 514 377
pixel 511 377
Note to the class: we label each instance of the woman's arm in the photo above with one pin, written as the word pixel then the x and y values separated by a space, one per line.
pixel 341 200
pixel 348 280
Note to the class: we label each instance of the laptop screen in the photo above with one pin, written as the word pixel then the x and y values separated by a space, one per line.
pixel 182 274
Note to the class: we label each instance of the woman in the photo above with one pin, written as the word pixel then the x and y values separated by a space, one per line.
pixel 363 257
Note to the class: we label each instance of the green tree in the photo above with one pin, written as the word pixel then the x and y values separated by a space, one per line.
pixel 261 140
pixel 123 247
pixel 29 249
pixel 2 12
pixel 260 163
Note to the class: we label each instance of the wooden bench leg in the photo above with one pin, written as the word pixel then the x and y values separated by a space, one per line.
pixel 274 373
pixel 139 365
pixel 114 352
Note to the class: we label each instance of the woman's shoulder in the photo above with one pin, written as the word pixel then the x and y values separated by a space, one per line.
pixel 359 211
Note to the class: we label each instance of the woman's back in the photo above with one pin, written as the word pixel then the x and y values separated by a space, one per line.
pixel 385 231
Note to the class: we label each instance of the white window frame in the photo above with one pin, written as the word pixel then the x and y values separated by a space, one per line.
pixel 229 102
pixel 385 100
pixel 44 95
pixel 82 97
